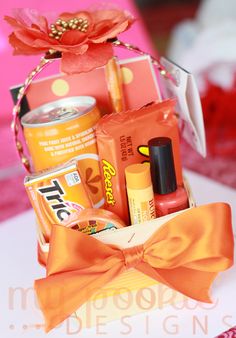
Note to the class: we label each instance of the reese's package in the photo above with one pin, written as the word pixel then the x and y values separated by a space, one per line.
pixel 122 140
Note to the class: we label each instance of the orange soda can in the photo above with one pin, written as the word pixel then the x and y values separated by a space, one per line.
pixel 61 130
pixel 57 193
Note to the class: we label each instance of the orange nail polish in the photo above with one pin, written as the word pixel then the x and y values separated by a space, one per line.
pixel 168 197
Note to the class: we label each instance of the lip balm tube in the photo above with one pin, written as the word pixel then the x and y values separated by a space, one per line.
pixel 140 193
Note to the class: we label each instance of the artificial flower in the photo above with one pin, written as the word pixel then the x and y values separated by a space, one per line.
pixel 81 38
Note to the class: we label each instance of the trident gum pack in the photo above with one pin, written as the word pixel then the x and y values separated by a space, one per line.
pixel 56 193
pixel 122 140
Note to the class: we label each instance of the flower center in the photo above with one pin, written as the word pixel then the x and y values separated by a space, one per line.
pixel 61 26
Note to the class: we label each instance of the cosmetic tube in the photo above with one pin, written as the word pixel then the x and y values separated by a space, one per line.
pixel 140 193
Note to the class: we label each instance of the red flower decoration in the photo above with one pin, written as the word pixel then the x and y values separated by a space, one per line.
pixel 81 49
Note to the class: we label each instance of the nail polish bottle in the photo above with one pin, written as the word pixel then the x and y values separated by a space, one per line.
pixel 168 197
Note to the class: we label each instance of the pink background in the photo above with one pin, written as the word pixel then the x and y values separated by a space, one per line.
pixel 14 69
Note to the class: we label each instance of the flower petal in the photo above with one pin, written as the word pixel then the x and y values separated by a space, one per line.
pixel 97 55
pixel 29 16
pixel 77 49
pixel 73 37
pixel 28 36
pixel 13 22
pixel 22 48
pixel 82 14
pixel 111 14
pixel 108 24
pixel 104 33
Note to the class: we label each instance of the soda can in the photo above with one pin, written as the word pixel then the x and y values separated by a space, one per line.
pixel 64 129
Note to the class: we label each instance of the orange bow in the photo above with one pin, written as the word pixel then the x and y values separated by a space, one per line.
pixel 186 253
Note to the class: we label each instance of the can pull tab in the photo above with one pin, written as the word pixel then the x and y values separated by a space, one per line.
pixel 66 112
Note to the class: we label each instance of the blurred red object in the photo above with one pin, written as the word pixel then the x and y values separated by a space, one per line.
pixel 231 333
pixel 219 107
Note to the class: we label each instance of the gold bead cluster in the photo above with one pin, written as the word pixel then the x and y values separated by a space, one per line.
pixel 61 26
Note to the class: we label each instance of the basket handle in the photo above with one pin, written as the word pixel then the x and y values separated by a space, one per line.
pixel 44 62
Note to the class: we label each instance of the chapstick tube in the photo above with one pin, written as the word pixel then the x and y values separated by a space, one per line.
pixel 140 193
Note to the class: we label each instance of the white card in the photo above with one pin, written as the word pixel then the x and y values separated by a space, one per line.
pixel 188 104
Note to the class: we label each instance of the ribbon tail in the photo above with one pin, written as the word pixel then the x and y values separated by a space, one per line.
pixel 192 283
pixel 190 250
pixel 195 284
pixel 60 295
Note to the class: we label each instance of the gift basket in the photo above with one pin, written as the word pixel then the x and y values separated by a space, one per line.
pixel 115 215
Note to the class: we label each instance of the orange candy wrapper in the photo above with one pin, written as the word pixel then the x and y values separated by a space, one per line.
pixel 122 140
pixel 57 193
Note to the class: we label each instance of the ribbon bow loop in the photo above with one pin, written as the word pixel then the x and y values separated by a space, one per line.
pixel 185 253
